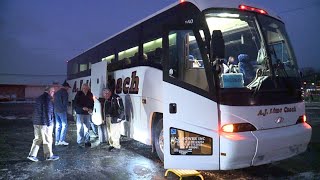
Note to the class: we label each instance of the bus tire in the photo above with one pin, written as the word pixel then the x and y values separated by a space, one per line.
pixel 158 139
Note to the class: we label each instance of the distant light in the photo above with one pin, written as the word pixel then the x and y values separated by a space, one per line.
pixel 304 82
pixel 312 84
pixel 181 1
pixel 249 8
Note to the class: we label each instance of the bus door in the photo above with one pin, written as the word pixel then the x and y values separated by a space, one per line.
pixel 190 116
pixel 98 82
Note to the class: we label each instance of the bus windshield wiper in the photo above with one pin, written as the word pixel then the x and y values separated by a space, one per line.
pixel 257 82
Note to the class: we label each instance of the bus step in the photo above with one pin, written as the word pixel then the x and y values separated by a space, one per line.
pixel 184 173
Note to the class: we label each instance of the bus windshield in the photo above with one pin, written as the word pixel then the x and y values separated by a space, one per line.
pixel 246 50
pixel 279 48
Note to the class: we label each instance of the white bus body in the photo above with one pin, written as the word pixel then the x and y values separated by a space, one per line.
pixel 196 125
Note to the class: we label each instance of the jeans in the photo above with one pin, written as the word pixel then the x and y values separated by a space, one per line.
pixel 61 126
pixel 93 127
pixel 102 132
pixel 42 136
pixel 83 126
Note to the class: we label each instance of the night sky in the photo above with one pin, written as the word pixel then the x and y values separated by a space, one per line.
pixel 39 36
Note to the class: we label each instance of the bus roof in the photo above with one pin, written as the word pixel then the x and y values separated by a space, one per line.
pixel 200 4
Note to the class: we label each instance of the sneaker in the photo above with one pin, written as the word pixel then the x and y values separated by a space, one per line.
pixel 32 158
pixel 63 143
pixel 87 144
pixel 52 158
pixel 57 143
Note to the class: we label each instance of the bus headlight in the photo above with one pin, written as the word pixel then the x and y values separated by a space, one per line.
pixel 239 127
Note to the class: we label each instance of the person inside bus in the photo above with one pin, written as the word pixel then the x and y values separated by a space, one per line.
pixel 232 65
pixel 158 55
pixel 145 57
pixel 246 68
pixel 134 59
pixel 83 106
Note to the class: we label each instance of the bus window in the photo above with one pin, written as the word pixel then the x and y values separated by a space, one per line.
pixel 74 68
pixel 242 43
pixel 153 50
pixel 194 57
pixel 108 58
pixel 83 67
pixel 185 59
pixel 128 54
pixel 280 51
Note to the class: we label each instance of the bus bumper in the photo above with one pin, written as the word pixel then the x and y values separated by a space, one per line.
pixel 240 150
pixel 281 143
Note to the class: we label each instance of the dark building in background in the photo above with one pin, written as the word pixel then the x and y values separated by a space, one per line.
pixel 20 87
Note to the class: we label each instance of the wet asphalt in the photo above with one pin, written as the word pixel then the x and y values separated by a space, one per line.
pixel 134 161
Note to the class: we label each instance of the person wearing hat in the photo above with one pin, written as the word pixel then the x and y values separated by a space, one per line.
pixel 43 126
pixel 60 111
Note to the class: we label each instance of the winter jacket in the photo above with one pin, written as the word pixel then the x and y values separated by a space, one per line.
pixel 61 101
pixel 113 107
pixel 246 68
pixel 81 100
pixel 43 110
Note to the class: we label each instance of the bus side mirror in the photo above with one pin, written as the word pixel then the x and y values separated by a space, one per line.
pixel 217 45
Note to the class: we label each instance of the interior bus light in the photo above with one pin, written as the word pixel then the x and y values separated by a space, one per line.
pixel 240 127
pixel 250 8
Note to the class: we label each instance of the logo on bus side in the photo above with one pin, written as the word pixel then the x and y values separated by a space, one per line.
pixel 128 85
pixel 264 112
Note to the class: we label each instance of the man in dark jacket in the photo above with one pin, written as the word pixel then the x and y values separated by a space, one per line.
pixel 83 106
pixel 60 112
pixel 112 106
pixel 43 126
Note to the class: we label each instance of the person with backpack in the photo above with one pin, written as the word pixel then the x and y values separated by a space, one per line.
pixel 113 111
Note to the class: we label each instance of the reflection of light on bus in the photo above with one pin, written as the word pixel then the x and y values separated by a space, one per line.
pixel 233 136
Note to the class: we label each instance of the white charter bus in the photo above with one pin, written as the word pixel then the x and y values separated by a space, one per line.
pixel 183 99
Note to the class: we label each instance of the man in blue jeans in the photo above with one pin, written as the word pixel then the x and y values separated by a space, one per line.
pixel 60 112
pixel 83 106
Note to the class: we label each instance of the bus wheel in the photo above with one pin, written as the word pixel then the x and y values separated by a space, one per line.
pixel 158 140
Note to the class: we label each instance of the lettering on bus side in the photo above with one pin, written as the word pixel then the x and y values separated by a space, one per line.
pixel 74 87
pixel 128 85
pixel 264 112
